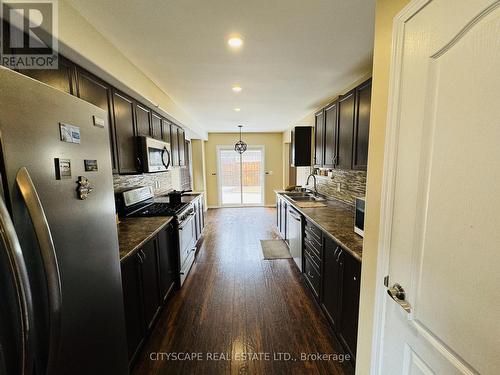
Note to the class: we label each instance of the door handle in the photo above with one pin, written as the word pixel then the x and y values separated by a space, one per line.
pixel 10 242
pixel 49 260
pixel 398 294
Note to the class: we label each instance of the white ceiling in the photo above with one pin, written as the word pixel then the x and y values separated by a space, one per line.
pixel 296 53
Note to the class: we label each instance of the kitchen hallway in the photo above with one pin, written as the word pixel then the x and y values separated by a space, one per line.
pixel 235 302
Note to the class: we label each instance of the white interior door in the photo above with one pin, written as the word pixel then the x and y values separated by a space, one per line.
pixel 241 176
pixel 440 235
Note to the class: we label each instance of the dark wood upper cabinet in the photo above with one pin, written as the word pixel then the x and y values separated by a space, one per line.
pixel 143 120
pixel 319 133
pixel 181 141
pixel 156 126
pixel 174 144
pixel 362 126
pixel 346 107
pixel 301 146
pixel 342 131
pixel 126 144
pixel 98 92
pixel 331 129
pixel 165 130
pixel 351 277
pixel 127 118
pixel 62 78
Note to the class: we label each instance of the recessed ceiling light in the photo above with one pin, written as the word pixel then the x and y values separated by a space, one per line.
pixel 237 88
pixel 235 42
pixel 237 109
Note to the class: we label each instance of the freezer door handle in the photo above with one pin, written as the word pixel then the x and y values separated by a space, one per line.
pixel 49 259
pixel 10 241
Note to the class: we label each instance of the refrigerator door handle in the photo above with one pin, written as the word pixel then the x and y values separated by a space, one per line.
pixel 49 259
pixel 10 241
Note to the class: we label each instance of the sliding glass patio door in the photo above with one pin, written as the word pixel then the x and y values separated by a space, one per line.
pixel 241 177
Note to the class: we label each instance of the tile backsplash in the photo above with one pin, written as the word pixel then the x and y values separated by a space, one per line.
pixel 352 184
pixel 162 182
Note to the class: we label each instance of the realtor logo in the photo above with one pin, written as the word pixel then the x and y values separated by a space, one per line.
pixel 29 34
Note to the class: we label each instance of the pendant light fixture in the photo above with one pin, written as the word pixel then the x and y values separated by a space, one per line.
pixel 240 146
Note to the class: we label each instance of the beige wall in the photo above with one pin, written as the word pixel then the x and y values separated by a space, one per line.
pixel 198 166
pixel 272 143
pixel 81 42
pixel 385 12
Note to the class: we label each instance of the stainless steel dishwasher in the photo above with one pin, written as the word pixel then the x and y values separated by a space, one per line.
pixel 294 222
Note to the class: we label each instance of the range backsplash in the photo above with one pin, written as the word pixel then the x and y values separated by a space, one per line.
pixel 352 184
pixel 161 182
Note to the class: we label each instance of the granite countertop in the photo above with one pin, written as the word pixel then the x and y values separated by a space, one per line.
pixel 136 231
pixel 336 220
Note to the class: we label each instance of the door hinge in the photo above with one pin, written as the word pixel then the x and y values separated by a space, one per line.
pixel 386 281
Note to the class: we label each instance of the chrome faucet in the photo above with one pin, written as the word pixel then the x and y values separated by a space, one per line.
pixel 314 179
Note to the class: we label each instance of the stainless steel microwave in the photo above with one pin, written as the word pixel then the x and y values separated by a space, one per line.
pixel 359 216
pixel 155 155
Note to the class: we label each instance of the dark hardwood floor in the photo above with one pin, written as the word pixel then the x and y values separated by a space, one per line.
pixel 235 302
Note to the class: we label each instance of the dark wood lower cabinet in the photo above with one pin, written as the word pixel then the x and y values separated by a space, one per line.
pixel 312 275
pixel 351 277
pixel 149 278
pixel 141 298
pixel 150 282
pixel 334 279
pixel 132 301
pixel 332 282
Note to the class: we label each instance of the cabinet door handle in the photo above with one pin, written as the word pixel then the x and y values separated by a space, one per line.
pixel 310 274
pixel 338 256
pixel 139 256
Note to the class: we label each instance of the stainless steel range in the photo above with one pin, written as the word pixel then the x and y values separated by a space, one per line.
pixel 140 202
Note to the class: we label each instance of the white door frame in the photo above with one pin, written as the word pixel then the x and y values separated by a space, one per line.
pixel 262 176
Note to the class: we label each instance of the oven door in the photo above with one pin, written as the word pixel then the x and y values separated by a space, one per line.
pixel 156 155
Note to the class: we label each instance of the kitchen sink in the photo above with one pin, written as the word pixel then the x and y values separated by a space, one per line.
pixel 304 197
pixel 308 199
pixel 293 194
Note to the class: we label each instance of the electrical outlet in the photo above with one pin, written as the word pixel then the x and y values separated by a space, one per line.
pixel 338 187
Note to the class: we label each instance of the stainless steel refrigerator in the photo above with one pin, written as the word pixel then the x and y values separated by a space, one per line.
pixel 61 309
